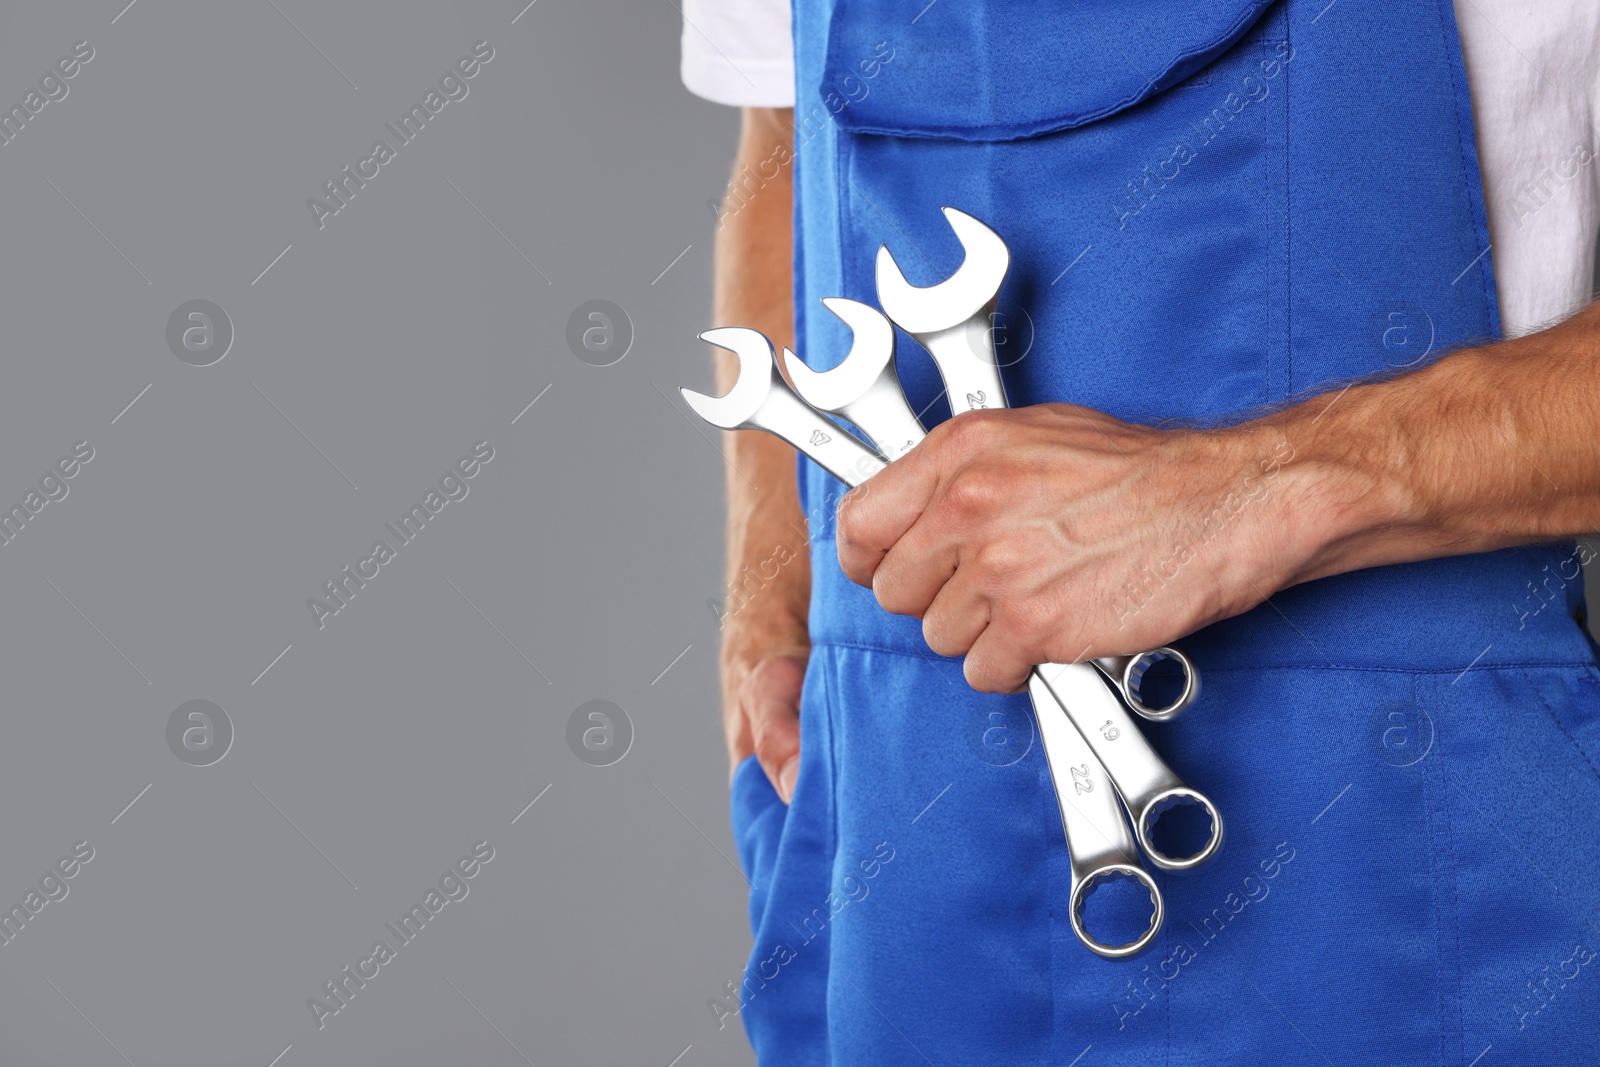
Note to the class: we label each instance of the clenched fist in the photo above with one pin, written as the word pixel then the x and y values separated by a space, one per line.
pixel 1056 533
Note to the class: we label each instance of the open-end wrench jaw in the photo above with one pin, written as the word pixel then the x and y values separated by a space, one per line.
pixel 757 371
pixel 953 320
pixel 970 290
pixel 864 388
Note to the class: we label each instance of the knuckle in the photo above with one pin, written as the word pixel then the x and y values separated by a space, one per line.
pixel 1000 560
pixel 852 510
pixel 773 747
pixel 1027 619
pixel 775 734
pixel 845 525
pixel 974 431
pixel 776 674
pixel 970 497
pixel 855 562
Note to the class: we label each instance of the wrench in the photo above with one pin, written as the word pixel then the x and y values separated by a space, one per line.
pixel 952 321
pixel 1100 846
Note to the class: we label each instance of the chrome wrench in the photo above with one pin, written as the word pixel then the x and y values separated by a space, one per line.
pixel 864 389
pixel 952 321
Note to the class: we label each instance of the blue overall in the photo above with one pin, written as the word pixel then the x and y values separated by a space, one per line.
pixel 1212 206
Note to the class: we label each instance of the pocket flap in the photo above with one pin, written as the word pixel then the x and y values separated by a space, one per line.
pixel 1001 72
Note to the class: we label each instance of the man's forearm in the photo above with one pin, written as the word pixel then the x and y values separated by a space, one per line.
pixel 1487 448
pixel 768 569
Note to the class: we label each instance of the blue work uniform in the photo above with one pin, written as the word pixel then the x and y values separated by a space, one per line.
pixel 1212 206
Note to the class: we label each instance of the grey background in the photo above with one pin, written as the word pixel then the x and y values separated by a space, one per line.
pixel 179 565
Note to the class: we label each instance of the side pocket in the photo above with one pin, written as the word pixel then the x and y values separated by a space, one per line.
pixel 756 813
pixel 787 853
pixel 1572 699
pixel 1522 787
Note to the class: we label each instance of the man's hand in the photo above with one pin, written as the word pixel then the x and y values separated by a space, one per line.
pixel 1056 533
pixel 762 715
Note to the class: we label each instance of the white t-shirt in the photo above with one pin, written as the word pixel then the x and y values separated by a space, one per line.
pixel 1533 67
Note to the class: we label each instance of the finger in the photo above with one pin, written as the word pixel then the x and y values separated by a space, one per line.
pixel 871 519
pixel 956 617
pixel 771 699
pixel 914 569
pixel 993 664
pixel 736 731
pixel 957 534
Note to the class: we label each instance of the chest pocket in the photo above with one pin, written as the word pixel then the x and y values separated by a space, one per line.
pixel 1131 154
pixel 997 72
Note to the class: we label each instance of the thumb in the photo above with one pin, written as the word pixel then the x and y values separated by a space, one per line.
pixel 772 706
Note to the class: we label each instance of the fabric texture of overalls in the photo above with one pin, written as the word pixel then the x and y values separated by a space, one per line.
pixel 1212 206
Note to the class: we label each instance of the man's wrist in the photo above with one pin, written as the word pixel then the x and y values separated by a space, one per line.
pixel 748 643
pixel 1352 488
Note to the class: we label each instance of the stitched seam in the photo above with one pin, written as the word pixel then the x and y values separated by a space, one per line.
pixel 825 677
pixel 1573 741
pixel 1455 887
pixel 1475 206
pixel 1016 131
pixel 832 706
pixel 1288 227
pixel 934 658
pixel 1438 937
pixel 1518 666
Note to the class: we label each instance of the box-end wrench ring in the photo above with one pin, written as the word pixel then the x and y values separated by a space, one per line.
pixel 1148 786
pixel 1127 674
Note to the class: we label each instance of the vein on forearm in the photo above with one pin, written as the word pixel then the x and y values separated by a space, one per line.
pixel 1486 448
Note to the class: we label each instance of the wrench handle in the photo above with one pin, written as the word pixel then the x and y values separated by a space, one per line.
pixel 817 437
pixel 1099 844
pixel 966 360
pixel 1147 785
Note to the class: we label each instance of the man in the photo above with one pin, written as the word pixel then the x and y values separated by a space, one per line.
pixel 1244 236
